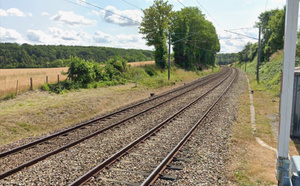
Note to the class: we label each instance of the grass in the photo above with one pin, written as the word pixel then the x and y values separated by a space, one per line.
pixel 161 79
pixel 269 73
pixel 253 164
pixel 34 113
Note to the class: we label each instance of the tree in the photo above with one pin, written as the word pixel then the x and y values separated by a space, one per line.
pixel 155 26
pixel 272 27
pixel 194 39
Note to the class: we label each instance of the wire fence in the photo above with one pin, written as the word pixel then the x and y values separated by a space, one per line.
pixel 19 80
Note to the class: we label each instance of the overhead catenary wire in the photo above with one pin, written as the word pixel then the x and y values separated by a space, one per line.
pixel 189 42
pixel 181 3
pixel 78 4
pixel 98 7
pixel 132 4
pixel 245 28
pixel 242 35
pixel 266 5
pixel 209 14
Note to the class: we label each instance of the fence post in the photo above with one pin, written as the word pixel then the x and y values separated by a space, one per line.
pixel 57 79
pixel 31 85
pixel 17 87
pixel 46 79
pixel 136 78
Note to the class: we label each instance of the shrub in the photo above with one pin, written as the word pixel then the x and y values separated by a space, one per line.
pixel 80 70
pixel 150 71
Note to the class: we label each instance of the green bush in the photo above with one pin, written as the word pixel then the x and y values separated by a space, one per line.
pixel 85 74
pixel 45 87
pixel 80 70
pixel 150 70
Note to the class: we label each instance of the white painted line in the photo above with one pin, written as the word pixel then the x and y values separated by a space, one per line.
pixel 253 124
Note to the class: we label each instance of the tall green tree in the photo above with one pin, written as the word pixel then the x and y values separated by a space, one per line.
pixel 272 27
pixel 155 26
pixel 194 39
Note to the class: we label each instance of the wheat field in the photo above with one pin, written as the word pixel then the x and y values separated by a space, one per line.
pixel 142 63
pixel 18 80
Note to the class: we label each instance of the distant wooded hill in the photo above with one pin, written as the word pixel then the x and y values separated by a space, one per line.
pixel 226 59
pixel 43 56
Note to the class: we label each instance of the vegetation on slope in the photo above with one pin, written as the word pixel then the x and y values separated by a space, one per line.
pixel 269 73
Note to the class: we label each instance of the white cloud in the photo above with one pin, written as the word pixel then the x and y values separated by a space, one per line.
pixel 38 36
pixel 3 12
pixel 231 43
pixel 122 38
pixel 13 12
pixel 9 35
pixel 45 14
pixel 101 37
pixel 58 36
pixel 133 41
pixel 71 19
pixel 122 18
pixel 69 35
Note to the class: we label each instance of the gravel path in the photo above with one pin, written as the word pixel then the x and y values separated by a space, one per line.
pixel 65 167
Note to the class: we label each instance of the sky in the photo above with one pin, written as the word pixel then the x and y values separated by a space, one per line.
pixel 105 23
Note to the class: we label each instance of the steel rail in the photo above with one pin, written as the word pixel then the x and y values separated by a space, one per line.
pixel 77 126
pixel 83 179
pixel 168 159
pixel 36 160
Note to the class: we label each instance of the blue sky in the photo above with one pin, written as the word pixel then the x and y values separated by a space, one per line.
pixel 75 22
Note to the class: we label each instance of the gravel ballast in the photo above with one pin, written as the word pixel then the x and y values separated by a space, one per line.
pixel 65 167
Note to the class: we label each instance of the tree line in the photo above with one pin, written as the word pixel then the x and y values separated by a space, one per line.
pixel 226 59
pixel 13 55
pixel 272 30
pixel 194 39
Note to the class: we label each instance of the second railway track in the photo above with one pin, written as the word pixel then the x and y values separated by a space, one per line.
pixel 105 135
pixel 143 164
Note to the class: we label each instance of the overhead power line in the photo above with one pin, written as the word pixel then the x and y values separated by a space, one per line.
pixel 78 4
pixel 209 14
pixel 181 3
pixel 266 5
pixel 192 42
pixel 185 37
pixel 246 28
pixel 132 4
pixel 242 34
pixel 98 7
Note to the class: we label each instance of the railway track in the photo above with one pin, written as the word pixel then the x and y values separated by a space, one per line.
pixel 51 145
pixel 134 164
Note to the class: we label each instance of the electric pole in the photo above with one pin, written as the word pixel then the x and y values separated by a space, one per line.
pixel 258 54
pixel 169 56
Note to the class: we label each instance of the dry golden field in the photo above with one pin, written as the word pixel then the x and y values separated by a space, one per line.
pixel 18 80
pixel 12 80
pixel 142 63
